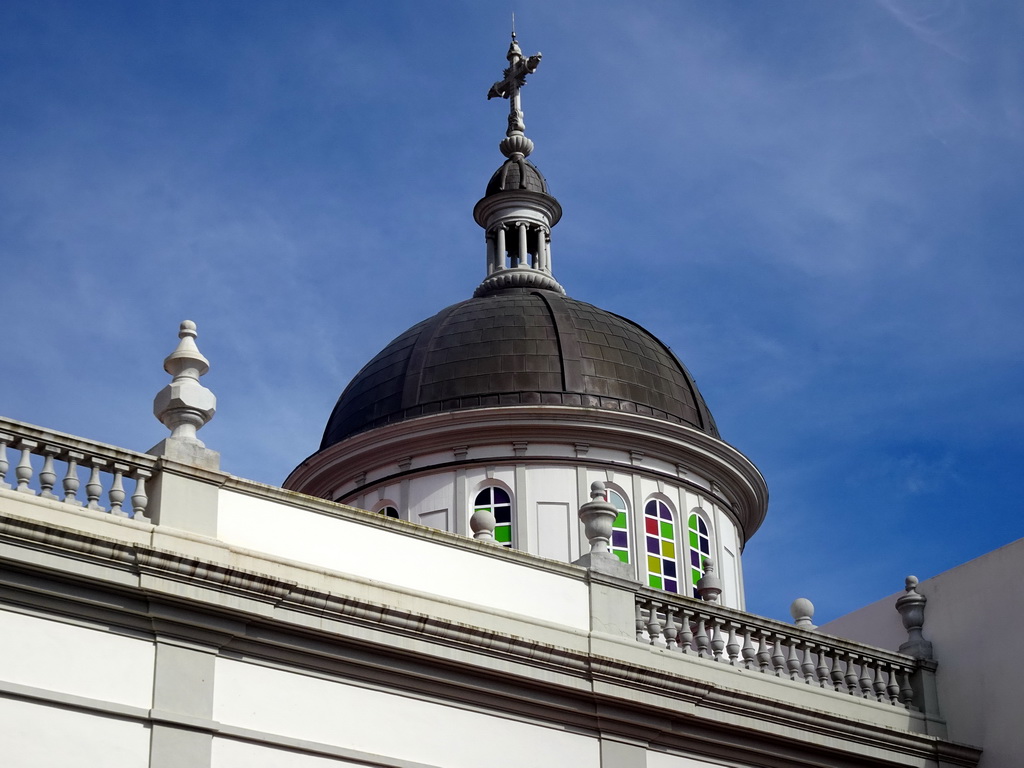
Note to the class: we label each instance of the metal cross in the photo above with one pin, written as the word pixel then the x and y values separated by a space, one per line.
pixel 515 73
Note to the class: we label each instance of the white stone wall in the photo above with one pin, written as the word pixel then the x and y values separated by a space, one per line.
pixel 407 562
pixel 377 721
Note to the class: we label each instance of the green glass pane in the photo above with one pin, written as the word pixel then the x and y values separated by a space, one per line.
pixel 694 542
pixel 692 522
pixel 503 533
pixel 654 581
pixel 695 575
pixel 666 531
pixel 622 554
pixel 620 521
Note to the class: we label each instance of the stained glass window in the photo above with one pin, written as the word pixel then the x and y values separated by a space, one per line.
pixel 700 547
pixel 620 528
pixel 497 501
pixel 388 511
pixel 660 535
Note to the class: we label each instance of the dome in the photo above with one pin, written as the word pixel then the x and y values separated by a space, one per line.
pixel 517 174
pixel 519 347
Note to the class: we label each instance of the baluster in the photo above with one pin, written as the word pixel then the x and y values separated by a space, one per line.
pixel 653 624
pixel 47 477
pixel 671 630
pixel 733 646
pixel 763 657
pixel 892 690
pixel 778 657
pixel 639 622
pixel 822 670
pixel 23 472
pixel 792 662
pixel 852 686
pixel 749 652
pixel 685 631
pixel 4 465
pixel 878 684
pixel 906 689
pixel 139 499
pixel 702 637
pixel 810 673
pixel 865 678
pixel 116 494
pixel 717 641
pixel 94 487
pixel 837 672
pixel 71 481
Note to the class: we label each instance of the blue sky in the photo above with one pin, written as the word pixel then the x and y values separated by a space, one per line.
pixel 817 205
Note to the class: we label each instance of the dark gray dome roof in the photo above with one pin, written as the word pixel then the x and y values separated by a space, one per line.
pixel 517 174
pixel 519 347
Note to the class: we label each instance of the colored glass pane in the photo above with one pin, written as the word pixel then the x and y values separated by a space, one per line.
pixel 660 537
pixel 498 502
pixel 654 581
pixel 620 526
pixel 700 547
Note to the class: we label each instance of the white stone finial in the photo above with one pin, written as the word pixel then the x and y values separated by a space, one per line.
pixel 802 611
pixel 597 516
pixel 710 586
pixel 185 406
pixel 911 607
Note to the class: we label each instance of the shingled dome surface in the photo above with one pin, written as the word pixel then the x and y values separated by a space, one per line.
pixel 519 347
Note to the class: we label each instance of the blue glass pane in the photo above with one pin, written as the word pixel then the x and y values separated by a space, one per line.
pixel 653 546
pixel 503 514
pixel 671 586
pixel 501 496
pixel 666 513
pixel 670 568
pixel 651 508
pixel 702 527
pixel 620 539
pixel 695 558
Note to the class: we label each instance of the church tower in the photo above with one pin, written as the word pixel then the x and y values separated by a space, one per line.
pixel 496 416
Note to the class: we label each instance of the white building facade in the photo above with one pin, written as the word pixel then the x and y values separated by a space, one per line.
pixel 519 543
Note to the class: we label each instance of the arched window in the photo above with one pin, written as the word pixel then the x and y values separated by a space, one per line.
pixel 496 500
pixel 660 533
pixel 700 547
pixel 388 511
pixel 620 528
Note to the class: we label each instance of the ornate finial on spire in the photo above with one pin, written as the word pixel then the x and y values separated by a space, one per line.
pixel 185 405
pixel 515 145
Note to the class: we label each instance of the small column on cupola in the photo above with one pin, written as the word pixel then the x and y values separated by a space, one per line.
pixel 516 212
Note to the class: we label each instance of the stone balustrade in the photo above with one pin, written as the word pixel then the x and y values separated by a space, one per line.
pixel 726 636
pixel 53 465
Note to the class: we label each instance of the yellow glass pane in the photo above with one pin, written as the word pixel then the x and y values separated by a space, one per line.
pixel 653 564
pixel 668 549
